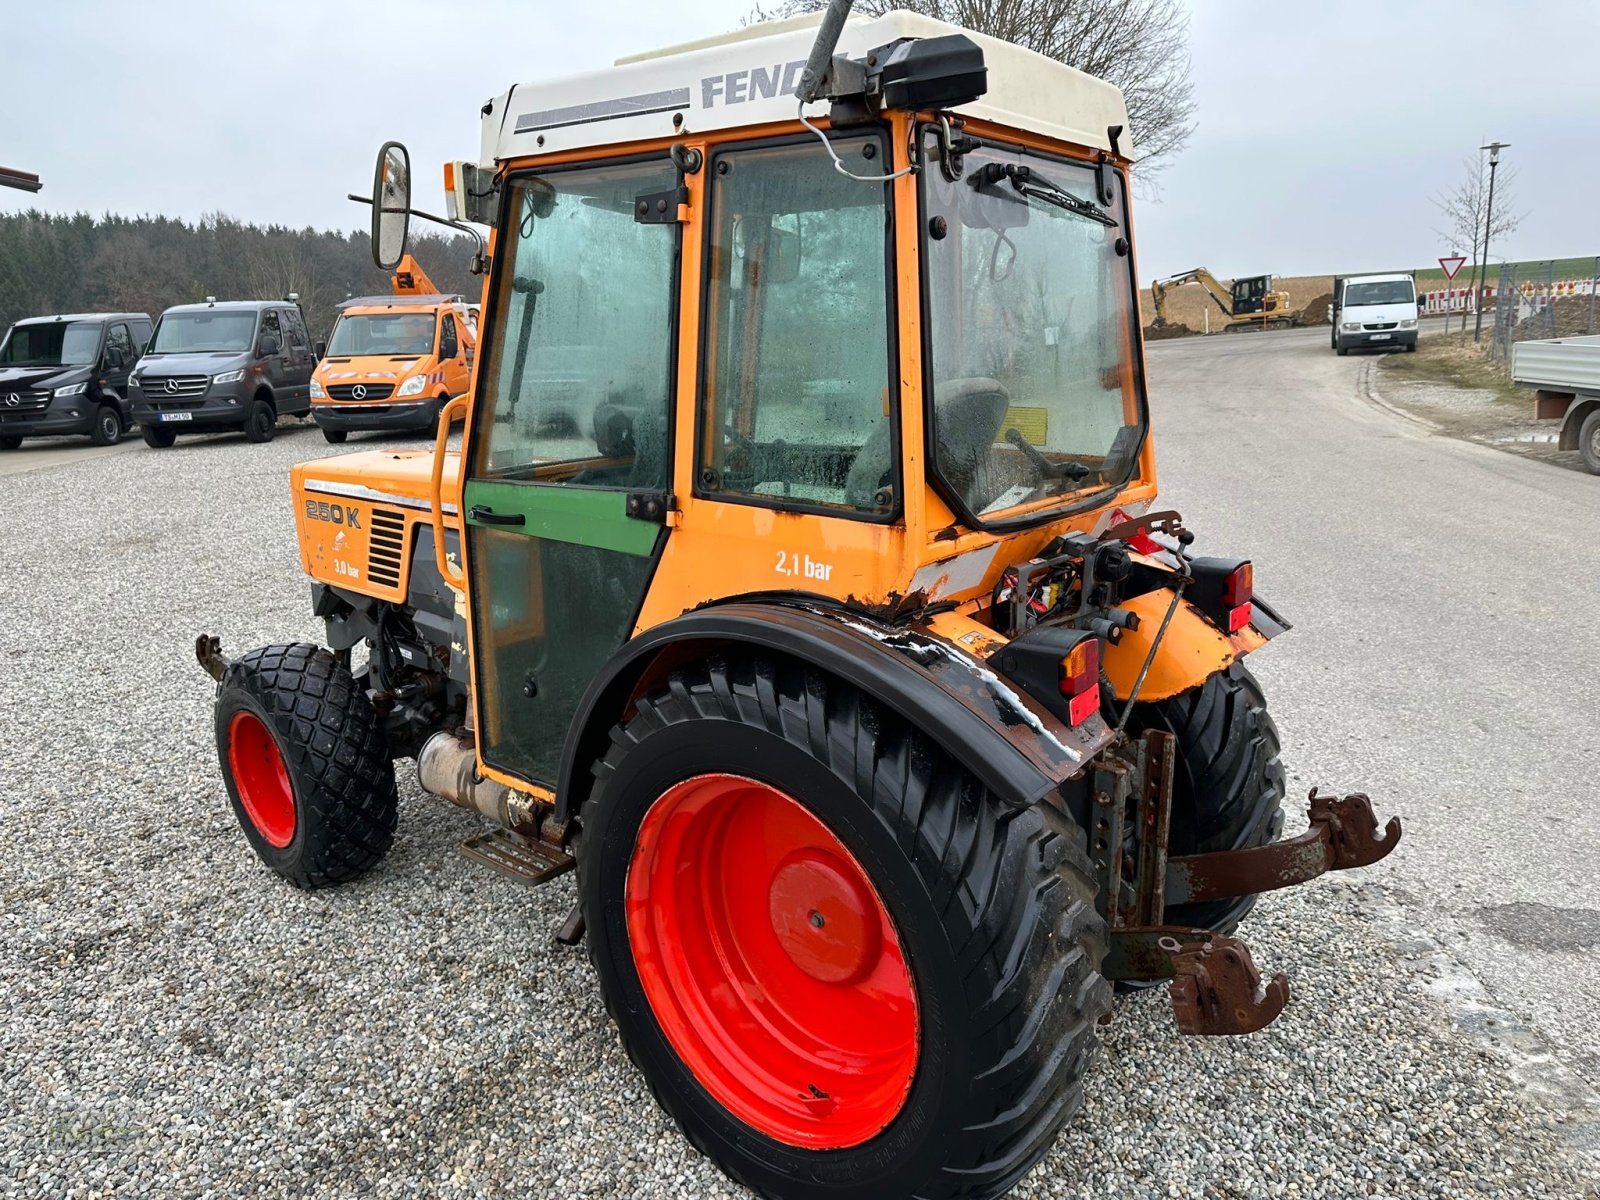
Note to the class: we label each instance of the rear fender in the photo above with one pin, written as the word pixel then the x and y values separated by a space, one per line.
pixel 1192 651
pixel 1016 748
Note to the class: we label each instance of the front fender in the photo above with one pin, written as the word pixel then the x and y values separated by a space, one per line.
pixel 1016 748
pixel 1192 651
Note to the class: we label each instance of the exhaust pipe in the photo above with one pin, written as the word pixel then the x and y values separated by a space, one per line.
pixel 448 768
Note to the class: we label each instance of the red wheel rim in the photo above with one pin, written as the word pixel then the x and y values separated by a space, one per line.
pixel 771 963
pixel 261 778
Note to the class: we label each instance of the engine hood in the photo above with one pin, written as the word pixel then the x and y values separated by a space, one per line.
pixel 16 379
pixel 209 363
pixel 1377 314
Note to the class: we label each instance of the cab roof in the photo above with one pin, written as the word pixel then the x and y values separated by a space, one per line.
pixel 749 77
pixel 402 303
pixel 230 306
pixel 101 316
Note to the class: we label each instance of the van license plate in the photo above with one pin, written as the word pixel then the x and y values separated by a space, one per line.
pixel 177 416
pixel 1377 337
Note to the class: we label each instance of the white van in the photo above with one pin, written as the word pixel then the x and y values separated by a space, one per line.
pixel 1374 310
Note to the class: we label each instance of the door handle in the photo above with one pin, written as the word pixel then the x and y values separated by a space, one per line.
pixel 489 517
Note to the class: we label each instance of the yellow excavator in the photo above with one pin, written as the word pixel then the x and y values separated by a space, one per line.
pixel 1249 304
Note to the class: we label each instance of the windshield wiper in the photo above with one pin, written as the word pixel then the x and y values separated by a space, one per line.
pixel 1029 182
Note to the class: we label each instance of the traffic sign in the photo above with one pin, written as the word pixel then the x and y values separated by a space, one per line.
pixel 1451 265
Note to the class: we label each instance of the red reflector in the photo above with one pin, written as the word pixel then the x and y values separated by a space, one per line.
pixel 1080 670
pixel 1083 706
pixel 1241 585
pixel 1142 543
pixel 1239 617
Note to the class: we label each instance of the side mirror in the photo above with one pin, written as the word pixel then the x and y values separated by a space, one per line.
pixel 116 358
pixel 391 205
pixel 319 349
pixel 268 347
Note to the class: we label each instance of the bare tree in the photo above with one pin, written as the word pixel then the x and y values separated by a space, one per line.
pixel 1142 46
pixel 1464 207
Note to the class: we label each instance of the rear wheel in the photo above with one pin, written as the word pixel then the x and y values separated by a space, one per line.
pixel 844 968
pixel 1228 784
pixel 107 429
pixel 261 423
pixel 156 436
pixel 336 436
pixel 306 764
pixel 1589 441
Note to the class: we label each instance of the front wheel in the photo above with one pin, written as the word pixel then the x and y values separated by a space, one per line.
pixel 261 423
pixel 844 968
pixel 157 437
pixel 107 429
pixel 10 443
pixel 306 764
pixel 335 436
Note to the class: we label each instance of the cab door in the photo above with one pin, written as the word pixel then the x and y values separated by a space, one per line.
pixel 568 465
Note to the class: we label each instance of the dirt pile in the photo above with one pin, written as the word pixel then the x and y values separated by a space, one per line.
pixel 1317 311
pixel 1570 319
pixel 1160 333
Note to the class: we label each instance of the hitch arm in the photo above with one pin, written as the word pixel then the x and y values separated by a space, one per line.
pixel 1343 834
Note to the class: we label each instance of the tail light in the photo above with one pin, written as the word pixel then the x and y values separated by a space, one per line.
pixel 1223 589
pixel 1080 680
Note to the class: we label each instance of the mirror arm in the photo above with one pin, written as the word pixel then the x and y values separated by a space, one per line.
pixel 483 245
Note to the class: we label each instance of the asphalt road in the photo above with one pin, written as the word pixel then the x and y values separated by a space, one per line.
pixel 175 1021
pixel 1446 657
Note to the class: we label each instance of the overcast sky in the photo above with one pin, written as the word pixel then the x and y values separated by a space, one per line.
pixel 1323 129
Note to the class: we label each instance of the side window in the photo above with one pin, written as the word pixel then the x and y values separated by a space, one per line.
pixel 118 338
pixel 270 328
pixel 296 329
pixel 579 374
pixel 141 337
pixel 448 347
pixel 798 406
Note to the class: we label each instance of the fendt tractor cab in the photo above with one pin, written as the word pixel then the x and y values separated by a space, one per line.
pixel 394 362
pixel 840 647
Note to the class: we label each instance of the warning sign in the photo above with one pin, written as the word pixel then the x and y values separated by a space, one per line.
pixel 1031 422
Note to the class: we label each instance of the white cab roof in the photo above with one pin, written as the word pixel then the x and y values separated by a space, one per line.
pixel 1407 276
pixel 749 78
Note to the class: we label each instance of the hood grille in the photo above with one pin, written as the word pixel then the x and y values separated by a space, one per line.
pixel 386 547
pixel 26 400
pixel 157 386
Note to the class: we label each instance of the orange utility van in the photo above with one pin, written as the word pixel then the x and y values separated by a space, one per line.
pixel 392 363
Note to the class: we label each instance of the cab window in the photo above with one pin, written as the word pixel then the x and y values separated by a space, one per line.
pixel 270 328
pixel 798 401
pixel 448 346
pixel 579 375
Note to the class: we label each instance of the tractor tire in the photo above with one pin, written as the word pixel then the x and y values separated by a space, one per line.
pixel 793 895
pixel 261 423
pixel 1227 791
pixel 156 437
pixel 107 429
pixel 1589 441
pixel 335 436
pixel 10 443
pixel 306 764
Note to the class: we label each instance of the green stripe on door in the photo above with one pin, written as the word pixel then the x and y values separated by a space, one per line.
pixel 582 516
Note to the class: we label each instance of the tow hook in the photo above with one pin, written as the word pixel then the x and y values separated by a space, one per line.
pixel 208 653
pixel 1217 990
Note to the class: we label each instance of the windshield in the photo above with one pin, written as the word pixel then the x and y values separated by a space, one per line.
pixel 401 334
pixel 202 332
pixel 1392 291
pixel 1034 382
pixel 56 344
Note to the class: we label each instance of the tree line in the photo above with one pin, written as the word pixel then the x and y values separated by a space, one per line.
pixel 56 263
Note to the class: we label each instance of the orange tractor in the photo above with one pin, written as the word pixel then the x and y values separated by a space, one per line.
pixel 799 583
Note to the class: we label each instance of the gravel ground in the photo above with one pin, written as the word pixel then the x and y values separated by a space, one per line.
pixel 176 1022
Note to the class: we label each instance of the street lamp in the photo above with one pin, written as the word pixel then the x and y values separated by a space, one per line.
pixel 1494 149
